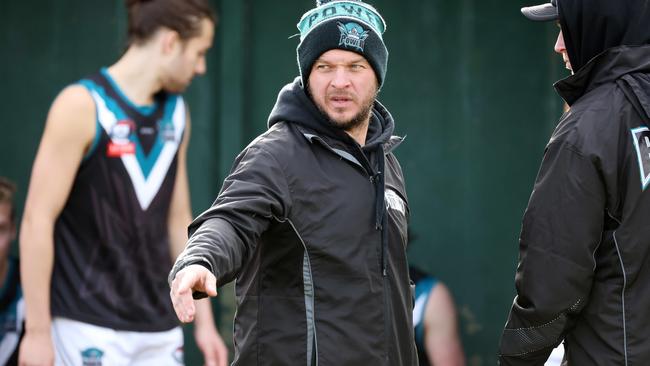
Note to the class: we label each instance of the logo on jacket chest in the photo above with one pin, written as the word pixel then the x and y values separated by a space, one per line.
pixel 394 201
pixel 641 138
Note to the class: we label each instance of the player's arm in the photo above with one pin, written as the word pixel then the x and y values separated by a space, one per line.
pixel 441 339
pixel 69 131
pixel 180 215
pixel 224 237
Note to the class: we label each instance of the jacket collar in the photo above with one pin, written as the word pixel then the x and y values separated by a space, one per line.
pixel 295 106
pixel 607 67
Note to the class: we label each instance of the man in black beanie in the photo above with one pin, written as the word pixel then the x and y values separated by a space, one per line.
pixel 312 220
pixel 584 275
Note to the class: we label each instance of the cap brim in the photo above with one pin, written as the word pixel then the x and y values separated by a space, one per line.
pixel 540 13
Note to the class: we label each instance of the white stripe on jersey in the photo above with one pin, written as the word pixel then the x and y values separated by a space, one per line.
pixel 145 188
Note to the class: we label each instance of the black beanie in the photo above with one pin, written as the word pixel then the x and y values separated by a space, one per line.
pixel 349 25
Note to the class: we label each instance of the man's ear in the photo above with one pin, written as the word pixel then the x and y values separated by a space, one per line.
pixel 170 40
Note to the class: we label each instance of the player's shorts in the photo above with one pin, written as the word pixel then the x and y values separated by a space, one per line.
pixel 82 344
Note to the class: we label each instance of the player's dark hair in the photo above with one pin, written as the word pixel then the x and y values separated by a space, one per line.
pixel 7 192
pixel 145 17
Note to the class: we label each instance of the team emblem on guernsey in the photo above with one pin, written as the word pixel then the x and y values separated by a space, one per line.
pixel 92 357
pixel 146 171
pixel 121 143
pixel 641 137
pixel 352 35
pixel 167 131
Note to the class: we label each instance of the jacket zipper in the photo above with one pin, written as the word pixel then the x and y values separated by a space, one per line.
pixel 386 303
pixel 372 176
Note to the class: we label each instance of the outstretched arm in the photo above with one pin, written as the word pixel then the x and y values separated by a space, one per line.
pixel 205 332
pixel 224 237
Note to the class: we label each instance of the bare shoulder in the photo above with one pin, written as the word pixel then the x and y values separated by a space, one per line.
pixel 73 110
pixel 441 301
pixel 69 131
pixel 74 99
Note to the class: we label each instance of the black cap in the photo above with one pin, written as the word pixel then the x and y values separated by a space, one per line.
pixel 541 13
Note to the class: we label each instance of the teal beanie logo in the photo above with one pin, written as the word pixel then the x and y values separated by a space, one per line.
pixel 341 9
pixel 352 35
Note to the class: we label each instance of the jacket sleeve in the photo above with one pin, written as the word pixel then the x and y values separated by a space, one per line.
pixel 224 237
pixel 561 230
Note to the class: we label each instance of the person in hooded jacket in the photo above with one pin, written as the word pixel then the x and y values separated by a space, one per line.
pixel 583 274
pixel 312 220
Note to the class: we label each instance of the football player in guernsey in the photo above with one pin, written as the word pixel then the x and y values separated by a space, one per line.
pixel 108 203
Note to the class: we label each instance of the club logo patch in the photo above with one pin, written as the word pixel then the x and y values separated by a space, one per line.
pixel 177 355
pixel 92 357
pixel 352 35
pixel 121 143
pixel 641 137
pixel 121 131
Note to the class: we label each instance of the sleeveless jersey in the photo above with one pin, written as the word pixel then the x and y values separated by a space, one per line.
pixel 424 284
pixel 111 240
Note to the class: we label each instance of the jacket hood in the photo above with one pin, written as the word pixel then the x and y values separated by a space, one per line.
pixel 593 26
pixel 295 106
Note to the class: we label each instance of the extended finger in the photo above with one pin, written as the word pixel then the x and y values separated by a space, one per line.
pixel 210 284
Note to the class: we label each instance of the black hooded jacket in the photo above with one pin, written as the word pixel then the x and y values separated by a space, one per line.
pixel 313 228
pixel 584 262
